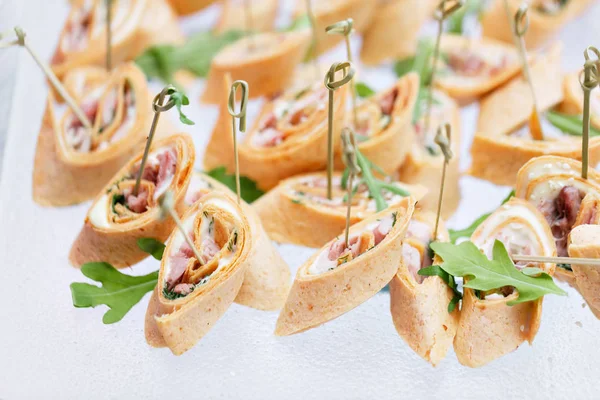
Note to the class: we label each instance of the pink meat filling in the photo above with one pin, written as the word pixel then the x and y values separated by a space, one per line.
pixel 561 214
pixel 338 248
pixel 157 174
pixel 180 260
pixel 387 102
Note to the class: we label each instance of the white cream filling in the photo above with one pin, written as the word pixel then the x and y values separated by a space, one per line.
pixel 486 237
pixel 98 215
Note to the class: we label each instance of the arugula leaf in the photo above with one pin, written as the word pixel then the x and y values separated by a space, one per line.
pixel 363 90
pixel 569 124
pixel 152 247
pixel 456 21
pixel 468 231
pixel 195 55
pixel 436 270
pixel 249 191
pixel 119 292
pixel 480 273
pixel 180 100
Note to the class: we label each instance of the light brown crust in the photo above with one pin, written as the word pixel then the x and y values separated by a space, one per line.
pixel 389 148
pixel 156 24
pixel 117 244
pixel 268 166
pixel 331 11
pixel 489 329
pixel 233 16
pixel 497 155
pixel 424 169
pixel 466 94
pixel 303 223
pixel 541 26
pixel 316 299
pixel 420 310
pixel 63 177
pixel 584 242
pixel 268 67
pixel 179 324
pixel 187 7
pixel 393 30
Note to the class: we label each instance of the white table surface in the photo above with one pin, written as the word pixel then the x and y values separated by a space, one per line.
pixel 50 350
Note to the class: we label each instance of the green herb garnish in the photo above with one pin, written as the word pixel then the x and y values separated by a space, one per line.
pixel 565 266
pixel 118 198
pixel 569 124
pixel 480 273
pixel 363 90
pixel 195 56
pixel 119 292
pixel 249 191
pixel 180 100
pixel 456 21
pixel 152 247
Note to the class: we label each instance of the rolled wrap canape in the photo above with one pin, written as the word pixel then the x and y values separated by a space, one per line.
pixel 419 304
pixel 424 162
pixel 191 295
pixel 298 211
pixel 488 327
pixel 573 101
pixel 267 279
pixel 288 138
pixel 136 25
pixel 546 18
pixel 186 7
pixel 393 30
pixel 470 68
pixel 265 60
pixel 503 142
pixel 233 15
pixel 72 163
pixel 118 217
pixel 384 133
pixel 337 278
pixel 584 241
pixel 331 11
pixel 555 187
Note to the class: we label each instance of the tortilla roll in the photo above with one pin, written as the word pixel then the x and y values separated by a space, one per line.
pixel 545 19
pixel 233 16
pixel 393 30
pixel 384 133
pixel 423 165
pixel 265 60
pixel 489 328
pixel 267 279
pixel 297 210
pixel 117 218
pixel 503 142
pixel 573 101
pixel 288 138
pixel 71 163
pixel 187 7
pixel 337 279
pixel 136 25
pixel 191 295
pixel 471 68
pixel 555 187
pixel 584 241
pixel 419 304
pixel 331 11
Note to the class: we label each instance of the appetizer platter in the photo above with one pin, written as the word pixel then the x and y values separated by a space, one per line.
pixel 302 199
